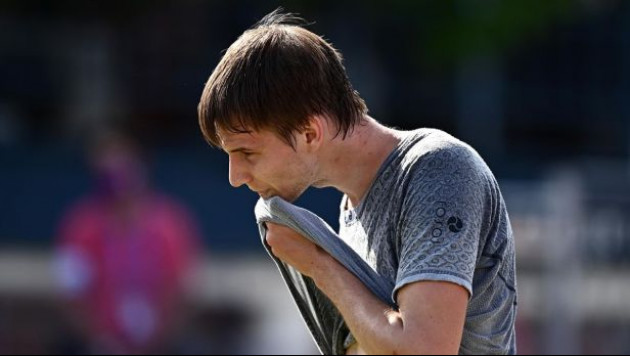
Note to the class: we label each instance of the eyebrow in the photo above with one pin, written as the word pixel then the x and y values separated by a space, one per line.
pixel 238 149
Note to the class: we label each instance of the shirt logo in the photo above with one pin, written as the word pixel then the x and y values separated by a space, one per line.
pixel 438 222
pixel 455 224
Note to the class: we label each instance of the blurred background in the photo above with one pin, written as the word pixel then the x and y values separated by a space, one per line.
pixel 98 135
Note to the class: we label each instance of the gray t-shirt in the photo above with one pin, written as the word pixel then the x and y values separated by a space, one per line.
pixel 435 213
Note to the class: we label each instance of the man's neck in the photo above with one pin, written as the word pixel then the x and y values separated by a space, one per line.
pixel 354 162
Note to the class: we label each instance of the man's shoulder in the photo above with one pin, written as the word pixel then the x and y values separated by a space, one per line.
pixel 437 151
pixel 85 208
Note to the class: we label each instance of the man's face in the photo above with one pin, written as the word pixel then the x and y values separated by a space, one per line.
pixel 119 170
pixel 267 165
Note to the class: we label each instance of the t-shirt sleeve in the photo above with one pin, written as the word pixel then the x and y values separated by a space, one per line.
pixel 442 217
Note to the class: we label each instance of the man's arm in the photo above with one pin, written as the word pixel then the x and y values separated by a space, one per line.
pixel 430 319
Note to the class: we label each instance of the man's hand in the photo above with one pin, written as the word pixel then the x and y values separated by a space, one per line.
pixel 296 250
pixel 430 319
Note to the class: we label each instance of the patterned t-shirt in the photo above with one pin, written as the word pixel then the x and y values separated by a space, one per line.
pixel 435 213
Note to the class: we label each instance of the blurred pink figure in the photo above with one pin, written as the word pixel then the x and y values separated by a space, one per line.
pixel 124 254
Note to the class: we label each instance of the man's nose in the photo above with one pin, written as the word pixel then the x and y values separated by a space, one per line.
pixel 238 175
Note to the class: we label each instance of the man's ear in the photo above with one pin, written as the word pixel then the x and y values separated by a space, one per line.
pixel 314 132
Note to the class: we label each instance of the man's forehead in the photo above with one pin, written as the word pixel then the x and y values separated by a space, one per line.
pixel 229 139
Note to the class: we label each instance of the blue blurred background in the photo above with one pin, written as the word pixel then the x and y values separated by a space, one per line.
pixel 540 88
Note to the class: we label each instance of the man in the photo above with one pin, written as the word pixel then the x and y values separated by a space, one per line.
pixel 125 252
pixel 421 208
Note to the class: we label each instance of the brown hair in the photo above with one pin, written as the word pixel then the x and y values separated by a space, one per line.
pixel 274 77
